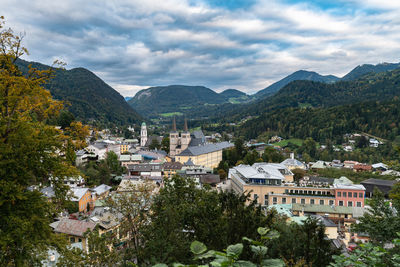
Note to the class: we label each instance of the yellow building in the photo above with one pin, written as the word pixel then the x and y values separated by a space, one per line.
pixel 124 148
pixel 208 155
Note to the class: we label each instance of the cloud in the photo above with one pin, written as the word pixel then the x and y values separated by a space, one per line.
pixel 133 44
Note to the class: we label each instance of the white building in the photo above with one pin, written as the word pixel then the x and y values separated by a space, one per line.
pixel 143 135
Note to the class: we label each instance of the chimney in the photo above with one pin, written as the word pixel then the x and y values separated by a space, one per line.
pixel 292 155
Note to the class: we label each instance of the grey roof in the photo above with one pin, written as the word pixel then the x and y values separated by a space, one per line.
pixel 189 162
pixel 317 179
pixel 145 167
pixel 325 221
pixel 78 193
pixel 204 149
pixel 379 182
pixel 48 192
pixel 172 166
pixel 292 162
pixel 101 189
pixel 73 227
pixel 210 179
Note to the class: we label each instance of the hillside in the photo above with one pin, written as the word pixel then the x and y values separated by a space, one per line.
pixel 176 100
pixel 298 75
pixel 359 71
pixel 90 98
pixel 232 93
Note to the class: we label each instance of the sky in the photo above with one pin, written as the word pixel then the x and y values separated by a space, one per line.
pixel 220 44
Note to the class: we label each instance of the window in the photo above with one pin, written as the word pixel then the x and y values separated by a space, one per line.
pixel 303 201
pixel 286 191
pixel 274 200
pixel 360 195
pixel 312 201
pixel 266 201
pixel 358 204
pixel 293 201
pixel 80 240
pixel 339 194
pixel 340 203
pixel 350 204
pixel 350 194
pixel 331 202
pixel 355 195
pixel 284 200
pixel 255 196
pixel 344 194
pixel 72 239
pixel 321 202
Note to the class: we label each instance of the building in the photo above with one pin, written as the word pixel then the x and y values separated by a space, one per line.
pixel 272 184
pixel 75 230
pixel 143 135
pixel 130 159
pixel 83 197
pixel 383 185
pixel 98 149
pixel 171 168
pixel 349 195
pixel 100 192
pixel 208 155
pixel 292 163
pixel 193 146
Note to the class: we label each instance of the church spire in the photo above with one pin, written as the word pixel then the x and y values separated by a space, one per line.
pixel 185 128
pixel 174 125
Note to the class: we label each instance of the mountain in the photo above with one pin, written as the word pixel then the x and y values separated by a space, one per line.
pixel 316 97
pixel 359 71
pixel 298 75
pixel 232 93
pixel 86 95
pixel 177 100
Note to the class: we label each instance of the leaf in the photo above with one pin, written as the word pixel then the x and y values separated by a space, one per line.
pixel 208 254
pixel 197 247
pixel 234 250
pixel 160 265
pixel 244 264
pixel 273 234
pixel 273 263
pixel 262 231
pixel 259 250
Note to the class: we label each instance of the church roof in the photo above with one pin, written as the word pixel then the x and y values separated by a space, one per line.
pixel 143 124
pixel 204 149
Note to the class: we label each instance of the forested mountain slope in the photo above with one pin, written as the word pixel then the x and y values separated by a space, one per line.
pixel 89 97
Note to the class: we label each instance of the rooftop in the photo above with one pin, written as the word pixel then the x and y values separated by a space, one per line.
pixel 322 208
pixel 101 189
pixel 78 193
pixel 73 227
pixel 204 149
pixel 373 181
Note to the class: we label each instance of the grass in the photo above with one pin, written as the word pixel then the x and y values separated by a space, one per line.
pixel 295 141
pixel 170 114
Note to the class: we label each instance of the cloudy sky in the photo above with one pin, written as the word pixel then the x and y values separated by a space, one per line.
pixel 247 45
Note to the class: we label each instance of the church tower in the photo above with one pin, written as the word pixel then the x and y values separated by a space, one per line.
pixel 143 135
pixel 185 137
pixel 173 139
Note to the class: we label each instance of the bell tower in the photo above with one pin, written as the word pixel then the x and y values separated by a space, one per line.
pixel 185 136
pixel 143 135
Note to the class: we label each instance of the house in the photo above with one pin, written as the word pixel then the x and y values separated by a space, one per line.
pixel 75 230
pixel 319 165
pixel 383 185
pixel 348 148
pixel 83 156
pixel 100 192
pixel 380 167
pixel 331 228
pixel 292 163
pixel 98 149
pixel 349 195
pixel 130 159
pixel 337 164
pixel 316 181
pixel 145 170
pixel 349 164
pixel 171 168
pixel 83 197
pixel 362 167
pixel 374 143
pixel 74 181
pixel 108 222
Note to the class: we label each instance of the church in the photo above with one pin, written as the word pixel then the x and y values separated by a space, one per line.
pixel 187 146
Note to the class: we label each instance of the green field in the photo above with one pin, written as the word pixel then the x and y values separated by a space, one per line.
pixel 295 141
pixel 170 114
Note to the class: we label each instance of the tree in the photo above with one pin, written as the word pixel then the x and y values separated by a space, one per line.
pixel 380 222
pixel 298 174
pixel 183 213
pixel 154 144
pixel 29 155
pixel 272 155
pixel 165 144
pixel 361 142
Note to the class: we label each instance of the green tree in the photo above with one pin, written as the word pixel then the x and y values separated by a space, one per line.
pixel 298 174
pixel 154 144
pixel 272 155
pixel 380 222
pixel 165 144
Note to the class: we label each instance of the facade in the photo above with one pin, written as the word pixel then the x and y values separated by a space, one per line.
pixel 143 135
pixel 83 197
pixel 171 168
pixel 130 159
pixel 178 141
pixel 272 184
